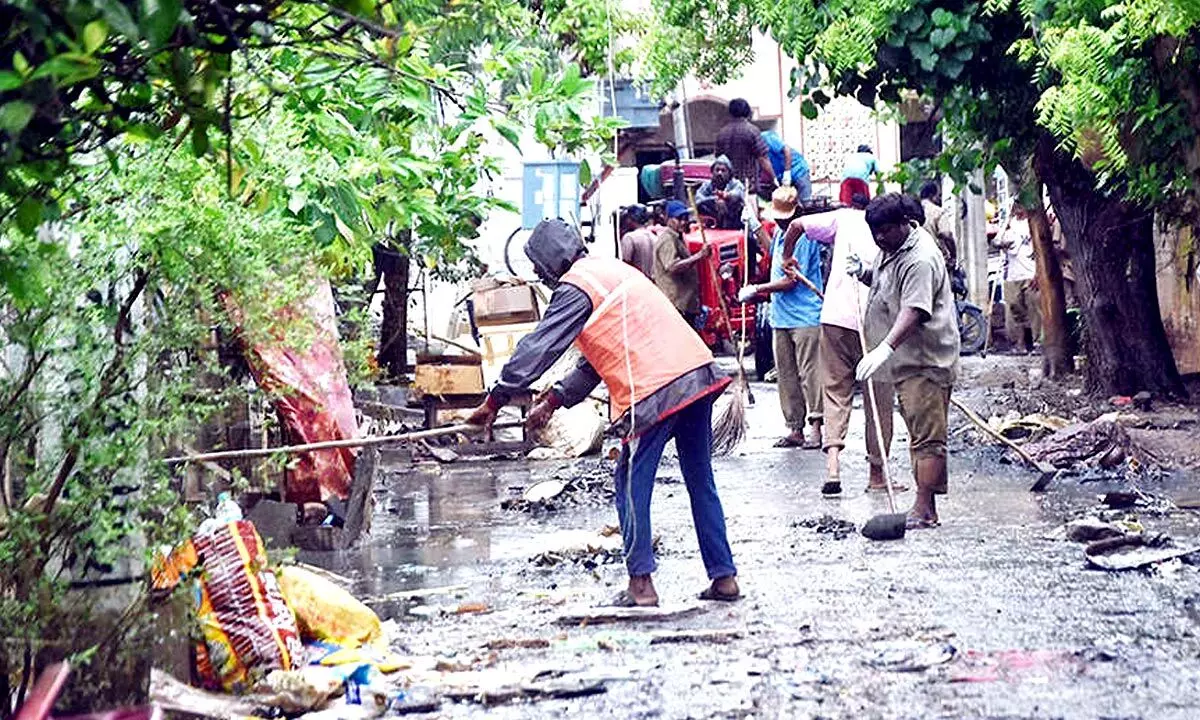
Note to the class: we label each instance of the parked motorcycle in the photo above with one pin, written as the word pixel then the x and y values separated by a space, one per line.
pixel 972 325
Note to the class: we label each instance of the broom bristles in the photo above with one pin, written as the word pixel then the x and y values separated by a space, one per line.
pixel 729 429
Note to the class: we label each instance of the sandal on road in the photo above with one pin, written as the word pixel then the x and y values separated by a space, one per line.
pixel 896 488
pixel 624 599
pixel 712 593
pixel 789 442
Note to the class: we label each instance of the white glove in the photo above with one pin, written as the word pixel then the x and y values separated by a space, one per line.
pixel 854 266
pixel 872 361
pixel 787 177
pixel 747 292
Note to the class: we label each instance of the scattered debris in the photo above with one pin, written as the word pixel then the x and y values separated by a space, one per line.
pixel 441 454
pixel 1019 665
pixel 602 615
pixel 518 644
pixel 1135 551
pixel 1101 444
pixel 543 491
pixel 828 525
pixel 417 594
pixel 472 608
pixel 588 550
pixel 584 482
pixel 301 690
pixel 910 655
pixel 174 696
pixel 1014 426
pixel 1090 529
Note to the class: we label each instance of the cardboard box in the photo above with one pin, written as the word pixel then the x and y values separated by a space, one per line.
pixel 446 379
pixel 506 305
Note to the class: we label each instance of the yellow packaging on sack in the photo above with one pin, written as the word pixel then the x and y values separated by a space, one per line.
pixel 326 612
pixel 384 662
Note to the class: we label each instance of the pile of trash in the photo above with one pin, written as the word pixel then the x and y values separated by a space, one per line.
pixel 828 525
pixel 1103 444
pixel 1100 448
pixel 285 638
pixel 1117 540
pixel 584 482
pixel 585 549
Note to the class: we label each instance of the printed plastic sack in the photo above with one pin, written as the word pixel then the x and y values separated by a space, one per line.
pixel 326 612
pixel 245 628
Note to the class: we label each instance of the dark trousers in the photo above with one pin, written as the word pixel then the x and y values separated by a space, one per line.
pixel 691 428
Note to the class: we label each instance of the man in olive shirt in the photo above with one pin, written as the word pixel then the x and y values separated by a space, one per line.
pixel 677 271
pixel 912 325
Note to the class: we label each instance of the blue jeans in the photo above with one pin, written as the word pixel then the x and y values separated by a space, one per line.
pixel 803 185
pixel 691 428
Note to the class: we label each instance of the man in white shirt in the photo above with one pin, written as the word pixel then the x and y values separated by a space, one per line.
pixel 1022 320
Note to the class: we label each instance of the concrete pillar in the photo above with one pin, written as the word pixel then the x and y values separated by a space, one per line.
pixel 973 245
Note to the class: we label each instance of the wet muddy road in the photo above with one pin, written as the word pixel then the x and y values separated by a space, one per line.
pixel 835 628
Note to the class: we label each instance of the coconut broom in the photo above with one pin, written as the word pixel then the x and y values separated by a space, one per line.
pixel 729 429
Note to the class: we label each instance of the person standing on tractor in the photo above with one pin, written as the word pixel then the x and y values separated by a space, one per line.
pixel 788 165
pixel 742 142
pixel 860 167
pixel 912 330
pixel 662 382
pixel 796 317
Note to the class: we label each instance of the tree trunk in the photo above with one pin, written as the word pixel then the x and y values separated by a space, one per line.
pixel 393 341
pixel 1112 245
pixel 1057 351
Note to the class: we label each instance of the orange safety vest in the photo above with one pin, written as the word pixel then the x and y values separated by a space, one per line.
pixel 635 339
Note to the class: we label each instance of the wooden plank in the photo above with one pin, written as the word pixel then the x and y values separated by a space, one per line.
pixel 448 379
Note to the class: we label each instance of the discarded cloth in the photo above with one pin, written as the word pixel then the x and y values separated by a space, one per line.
pixel 298 360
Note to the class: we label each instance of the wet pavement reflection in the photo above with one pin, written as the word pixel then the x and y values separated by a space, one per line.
pixel 818 611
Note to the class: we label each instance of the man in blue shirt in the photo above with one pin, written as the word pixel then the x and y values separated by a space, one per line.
pixel 796 317
pixel 789 165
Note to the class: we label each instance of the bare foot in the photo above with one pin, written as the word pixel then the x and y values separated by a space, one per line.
pixel 833 465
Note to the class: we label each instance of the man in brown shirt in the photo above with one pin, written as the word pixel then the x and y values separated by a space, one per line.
pixel 637 244
pixel 677 271
pixel 912 326
pixel 742 142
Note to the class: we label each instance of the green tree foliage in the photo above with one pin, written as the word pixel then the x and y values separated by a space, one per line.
pixel 1125 96
pixel 159 159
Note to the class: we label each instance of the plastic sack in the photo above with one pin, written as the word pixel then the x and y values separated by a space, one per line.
pixel 326 612
pixel 245 628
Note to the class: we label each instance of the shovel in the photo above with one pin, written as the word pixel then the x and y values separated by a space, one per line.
pixel 1048 472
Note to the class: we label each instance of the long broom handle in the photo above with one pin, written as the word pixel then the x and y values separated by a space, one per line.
pixel 875 409
pixel 332 444
pixel 712 271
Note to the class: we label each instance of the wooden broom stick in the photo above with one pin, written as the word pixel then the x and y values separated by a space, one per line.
pixel 332 444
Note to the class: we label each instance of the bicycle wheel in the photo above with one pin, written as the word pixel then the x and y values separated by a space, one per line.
pixel 514 255
pixel 972 329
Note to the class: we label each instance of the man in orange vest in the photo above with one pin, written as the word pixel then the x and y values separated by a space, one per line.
pixel 662 382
